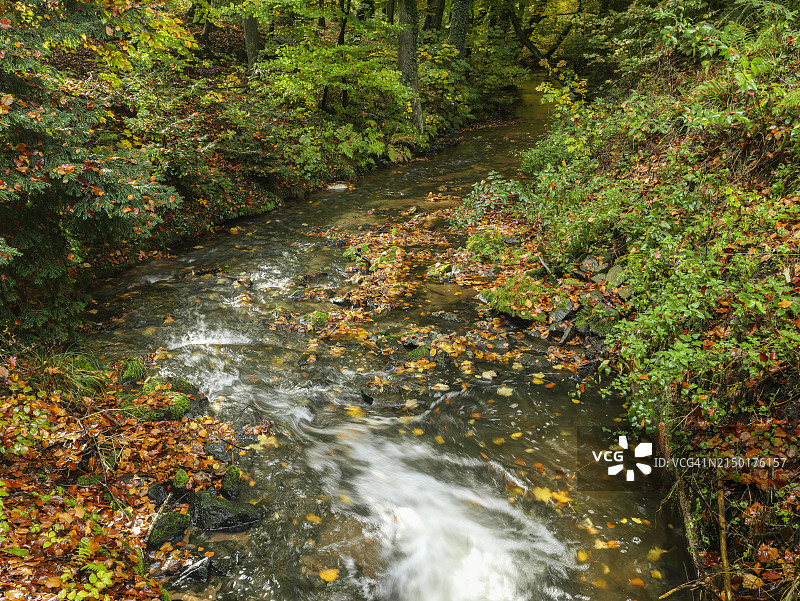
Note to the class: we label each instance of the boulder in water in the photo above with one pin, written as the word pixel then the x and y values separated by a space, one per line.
pixel 211 512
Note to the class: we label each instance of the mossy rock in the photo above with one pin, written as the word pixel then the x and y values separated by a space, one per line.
pixel 231 483
pixel 442 359
pixel 419 353
pixel 319 317
pixel 172 385
pixel 211 512
pixel 177 406
pixel 132 371
pixel 180 479
pixel 601 319
pixel 169 527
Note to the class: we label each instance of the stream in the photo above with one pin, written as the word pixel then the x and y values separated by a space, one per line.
pixel 453 484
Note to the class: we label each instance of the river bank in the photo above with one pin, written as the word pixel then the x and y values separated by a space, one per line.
pixel 669 228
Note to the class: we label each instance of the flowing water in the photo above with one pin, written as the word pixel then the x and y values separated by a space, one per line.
pixel 441 490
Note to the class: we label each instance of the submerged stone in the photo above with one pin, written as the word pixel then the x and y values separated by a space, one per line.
pixel 211 512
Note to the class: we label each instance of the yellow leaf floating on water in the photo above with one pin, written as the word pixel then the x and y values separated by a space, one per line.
pixel 329 575
pixel 636 520
pixel 355 411
pixel 599 582
pixel 655 553
pixel 267 441
pixel 418 431
pixel 438 438
pixel 655 574
pixel 606 569
pixel 541 494
pixel 561 497
pixel 499 440
pixel 505 391
pixel 314 519
pixel 516 435
pixel 441 387
pixel 600 544
pixel 537 381
pixel 583 556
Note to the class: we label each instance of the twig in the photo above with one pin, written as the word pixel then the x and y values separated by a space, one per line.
pixel 158 515
pixel 691 585
pixel 723 537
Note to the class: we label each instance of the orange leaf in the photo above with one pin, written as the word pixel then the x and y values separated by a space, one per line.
pixel 329 575
pixel 636 582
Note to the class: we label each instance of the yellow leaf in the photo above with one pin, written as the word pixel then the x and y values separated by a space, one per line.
pixel 505 391
pixel 655 574
pixel 636 520
pixel 329 575
pixel 439 439
pixel 440 387
pixel 561 497
pixel 516 435
pixel 655 553
pixel 606 569
pixel 541 494
pixel 599 583
pixel 583 556
pixel 499 440
pixel 537 381
pixel 750 581
pixel 355 411
pixel 418 431
pixel 314 519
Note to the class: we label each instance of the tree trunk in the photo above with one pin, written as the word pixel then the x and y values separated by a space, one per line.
pixel 390 11
pixel 407 55
pixel 524 39
pixel 434 15
pixel 459 23
pixel 321 20
pixel 252 40
pixel 345 8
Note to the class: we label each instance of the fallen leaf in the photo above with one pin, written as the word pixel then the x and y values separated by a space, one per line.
pixel 329 575
pixel 655 553
pixel 505 391
pixel 314 519
pixel 636 582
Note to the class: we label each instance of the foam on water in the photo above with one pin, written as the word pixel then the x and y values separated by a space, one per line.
pixel 444 537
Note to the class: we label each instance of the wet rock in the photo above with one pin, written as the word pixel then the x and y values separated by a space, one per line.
pixel 615 276
pixel 444 315
pixel 226 556
pixel 199 572
pixel 231 483
pixel 211 512
pixel 534 361
pixel 562 311
pixel 157 493
pixel 511 240
pixel 219 451
pixel 442 359
pixel 590 265
pixel 169 527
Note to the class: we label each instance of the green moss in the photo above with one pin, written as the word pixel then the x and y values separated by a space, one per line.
pixel 86 480
pixel 181 479
pixel 419 352
pixel 169 527
pixel 177 406
pixel 319 317
pixel 152 384
pixel 231 482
